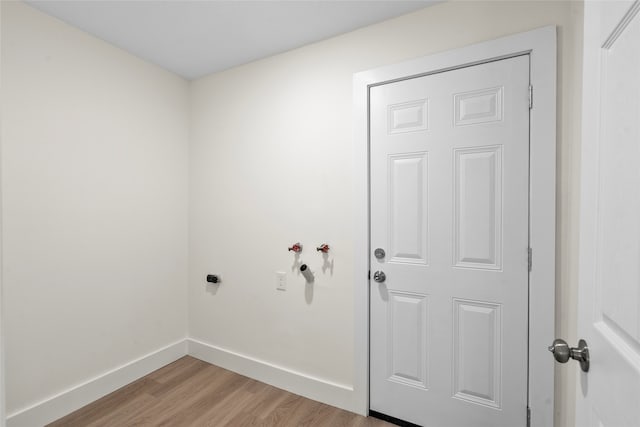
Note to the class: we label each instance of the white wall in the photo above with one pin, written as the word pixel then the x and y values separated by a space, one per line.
pixel 271 164
pixel 94 173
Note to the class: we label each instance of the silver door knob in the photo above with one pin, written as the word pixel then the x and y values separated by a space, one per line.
pixel 562 352
pixel 379 253
pixel 379 276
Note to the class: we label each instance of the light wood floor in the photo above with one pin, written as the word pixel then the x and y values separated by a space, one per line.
pixel 190 392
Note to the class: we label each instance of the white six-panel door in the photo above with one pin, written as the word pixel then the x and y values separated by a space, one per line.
pixel 609 295
pixel 449 207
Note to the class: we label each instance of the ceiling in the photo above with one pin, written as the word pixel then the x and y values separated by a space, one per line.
pixel 195 38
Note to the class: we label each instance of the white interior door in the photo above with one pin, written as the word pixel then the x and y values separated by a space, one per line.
pixel 449 207
pixel 609 293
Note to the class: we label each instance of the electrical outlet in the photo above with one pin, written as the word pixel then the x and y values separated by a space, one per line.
pixel 281 280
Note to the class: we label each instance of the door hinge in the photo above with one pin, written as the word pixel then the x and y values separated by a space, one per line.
pixel 530 97
pixel 530 257
pixel 528 417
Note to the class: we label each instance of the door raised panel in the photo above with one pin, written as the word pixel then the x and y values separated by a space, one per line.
pixel 407 332
pixel 480 106
pixel 408 224
pixel 408 116
pixel 478 208
pixel 477 352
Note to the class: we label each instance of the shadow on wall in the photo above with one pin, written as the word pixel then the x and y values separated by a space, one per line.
pixel 308 292
pixel 326 264
pixel 212 288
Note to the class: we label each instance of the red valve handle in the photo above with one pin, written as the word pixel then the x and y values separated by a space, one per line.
pixel 324 248
pixel 297 248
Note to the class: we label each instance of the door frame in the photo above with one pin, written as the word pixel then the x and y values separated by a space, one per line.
pixel 540 45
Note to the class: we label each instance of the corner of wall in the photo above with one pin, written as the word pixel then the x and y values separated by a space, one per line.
pixel 67 401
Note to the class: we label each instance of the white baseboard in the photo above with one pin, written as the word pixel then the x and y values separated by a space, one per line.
pixel 55 407
pixel 338 395
pixel 75 398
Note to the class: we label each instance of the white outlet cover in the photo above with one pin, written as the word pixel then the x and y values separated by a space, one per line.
pixel 281 280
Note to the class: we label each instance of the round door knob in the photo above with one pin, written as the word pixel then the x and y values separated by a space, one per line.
pixel 560 350
pixel 379 276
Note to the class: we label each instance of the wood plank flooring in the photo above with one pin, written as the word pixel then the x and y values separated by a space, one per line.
pixel 190 392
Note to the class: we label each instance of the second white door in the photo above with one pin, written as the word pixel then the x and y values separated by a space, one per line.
pixel 449 209
pixel 609 288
